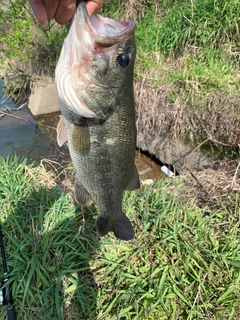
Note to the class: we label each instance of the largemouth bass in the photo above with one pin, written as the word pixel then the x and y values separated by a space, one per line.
pixel 94 78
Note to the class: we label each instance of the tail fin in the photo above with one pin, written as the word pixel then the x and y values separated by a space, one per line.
pixel 121 227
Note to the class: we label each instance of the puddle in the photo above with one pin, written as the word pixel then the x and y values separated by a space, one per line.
pixel 145 163
pixel 35 139
pixel 20 134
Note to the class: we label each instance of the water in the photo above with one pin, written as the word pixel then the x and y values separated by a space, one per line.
pixel 20 134
pixel 6 103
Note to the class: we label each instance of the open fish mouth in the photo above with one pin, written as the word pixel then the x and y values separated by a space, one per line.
pixel 91 41
pixel 107 32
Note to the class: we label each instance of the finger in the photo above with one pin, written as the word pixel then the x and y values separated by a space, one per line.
pixel 51 8
pixel 93 6
pixel 65 11
pixel 39 10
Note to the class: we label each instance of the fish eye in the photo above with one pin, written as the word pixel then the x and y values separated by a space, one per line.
pixel 123 60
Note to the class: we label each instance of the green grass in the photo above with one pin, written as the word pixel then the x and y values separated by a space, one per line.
pixel 201 23
pixel 183 264
pixel 194 45
pixel 204 72
pixel 173 27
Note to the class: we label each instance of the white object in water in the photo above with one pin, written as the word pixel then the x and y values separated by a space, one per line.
pixel 168 172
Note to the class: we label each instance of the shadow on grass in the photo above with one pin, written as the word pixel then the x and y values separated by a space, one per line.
pixel 183 263
pixel 49 242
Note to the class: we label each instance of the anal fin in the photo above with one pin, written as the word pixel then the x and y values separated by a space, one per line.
pixel 81 194
pixel 134 182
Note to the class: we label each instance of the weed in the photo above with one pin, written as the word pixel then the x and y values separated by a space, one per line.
pixel 199 23
pixel 183 264
pixel 204 72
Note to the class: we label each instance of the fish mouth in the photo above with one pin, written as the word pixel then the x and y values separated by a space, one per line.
pixel 105 32
pixel 109 32
pixel 101 35
pixel 92 85
pixel 99 87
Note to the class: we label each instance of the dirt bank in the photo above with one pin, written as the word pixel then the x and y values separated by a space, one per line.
pixel 184 132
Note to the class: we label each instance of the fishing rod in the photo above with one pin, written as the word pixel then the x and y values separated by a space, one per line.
pixel 6 292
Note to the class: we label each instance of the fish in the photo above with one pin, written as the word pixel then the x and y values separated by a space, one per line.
pixel 94 80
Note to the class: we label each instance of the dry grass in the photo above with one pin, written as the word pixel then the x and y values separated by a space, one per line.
pixel 216 187
pixel 192 130
pixel 214 117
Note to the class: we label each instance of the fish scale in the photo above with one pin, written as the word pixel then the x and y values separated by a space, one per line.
pixel 102 148
pixel 107 169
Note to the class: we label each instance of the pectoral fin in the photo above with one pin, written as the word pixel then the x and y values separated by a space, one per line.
pixel 134 182
pixel 61 132
pixel 81 195
pixel 80 138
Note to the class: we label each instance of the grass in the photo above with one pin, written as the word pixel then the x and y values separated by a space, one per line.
pixel 203 23
pixel 194 45
pixel 183 264
pixel 203 72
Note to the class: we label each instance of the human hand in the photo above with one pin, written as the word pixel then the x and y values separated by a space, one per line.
pixel 61 10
